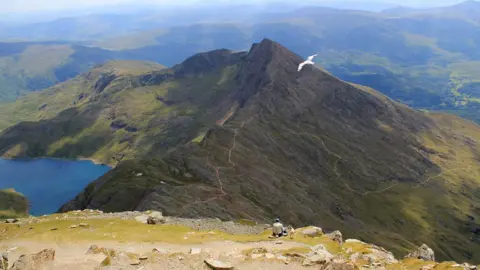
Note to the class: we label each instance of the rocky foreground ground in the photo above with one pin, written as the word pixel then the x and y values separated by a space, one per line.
pixel 133 240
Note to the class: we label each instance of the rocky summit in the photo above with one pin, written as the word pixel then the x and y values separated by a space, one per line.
pixel 310 149
pixel 125 240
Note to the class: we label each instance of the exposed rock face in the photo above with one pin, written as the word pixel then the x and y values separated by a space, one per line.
pixel 336 236
pixel 423 253
pixel 34 261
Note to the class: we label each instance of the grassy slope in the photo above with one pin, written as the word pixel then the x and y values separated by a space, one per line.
pixel 34 66
pixel 48 103
pixel 128 231
pixel 12 204
pixel 125 119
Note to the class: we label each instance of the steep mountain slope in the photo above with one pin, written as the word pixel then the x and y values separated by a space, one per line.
pixel 312 149
pixel 120 109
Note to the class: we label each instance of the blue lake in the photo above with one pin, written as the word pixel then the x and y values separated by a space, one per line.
pixel 48 183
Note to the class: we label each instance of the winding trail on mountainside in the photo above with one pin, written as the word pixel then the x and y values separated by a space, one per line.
pixel 339 158
pixel 218 168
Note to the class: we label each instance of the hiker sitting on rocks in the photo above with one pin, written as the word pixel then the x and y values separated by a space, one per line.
pixel 278 229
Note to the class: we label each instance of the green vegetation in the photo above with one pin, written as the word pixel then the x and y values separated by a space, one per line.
pixel 110 113
pixel 12 204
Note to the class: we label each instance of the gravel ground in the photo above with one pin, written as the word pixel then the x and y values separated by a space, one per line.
pixel 207 224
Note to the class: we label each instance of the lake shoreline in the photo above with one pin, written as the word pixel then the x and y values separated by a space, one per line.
pixel 49 183
pixel 94 161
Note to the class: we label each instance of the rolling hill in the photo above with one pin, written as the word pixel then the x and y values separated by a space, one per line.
pixel 244 135
pixel 33 66
pixel 26 67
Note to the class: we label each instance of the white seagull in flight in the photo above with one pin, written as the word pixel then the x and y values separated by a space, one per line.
pixel 307 62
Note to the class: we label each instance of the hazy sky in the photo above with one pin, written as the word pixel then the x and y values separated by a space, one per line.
pixel 50 5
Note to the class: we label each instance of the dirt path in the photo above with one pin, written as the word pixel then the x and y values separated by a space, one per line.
pixel 72 255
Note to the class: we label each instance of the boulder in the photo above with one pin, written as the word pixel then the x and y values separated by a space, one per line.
pixel 312 232
pixel 465 266
pixel 318 255
pixel 94 249
pixel 354 241
pixel 142 219
pixel 34 261
pixel 335 236
pixel 379 254
pixel 257 256
pixel 423 253
pixel 218 265
pixel 339 266
pixel 259 250
pixel 284 259
pixel 269 256
pixel 315 259
pixel 120 259
pixel 152 218
pixel 4 261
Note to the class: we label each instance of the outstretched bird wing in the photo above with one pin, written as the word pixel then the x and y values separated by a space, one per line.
pixel 310 58
pixel 301 65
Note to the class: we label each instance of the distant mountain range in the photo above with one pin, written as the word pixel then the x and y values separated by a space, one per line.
pixel 427 59
pixel 244 135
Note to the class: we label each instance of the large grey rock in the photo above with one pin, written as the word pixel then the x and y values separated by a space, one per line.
pixel 34 261
pixel 152 217
pixel 318 255
pixel 218 265
pixel 142 219
pixel 335 236
pixel 379 254
pixel 423 253
pixel 121 259
pixel 312 232
pixel 11 220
